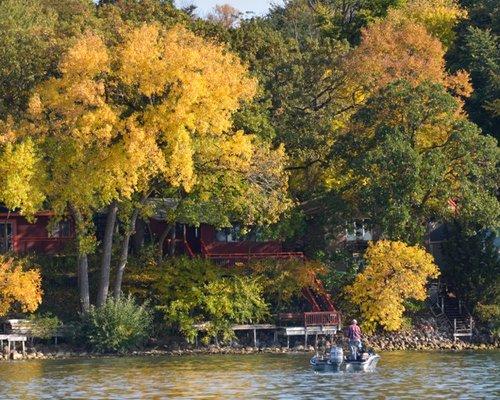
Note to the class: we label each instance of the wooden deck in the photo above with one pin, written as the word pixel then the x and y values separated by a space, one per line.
pixel 12 341
pixel 310 324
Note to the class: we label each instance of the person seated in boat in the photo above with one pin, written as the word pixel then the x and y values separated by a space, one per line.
pixel 354 336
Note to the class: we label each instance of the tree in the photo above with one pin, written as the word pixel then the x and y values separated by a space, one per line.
pixel 392 50
pixel 22 176
pixel 284 280
pixel 336 19
pixel 439 17
pixel 306 89
pixel 197 291
pixel 478 52
pixel 156 119
pixel 33 36
pixel 19 286
pixel 27 50
pixel 394 272
pixel 225 15
pixel 408 151
pixel 471 264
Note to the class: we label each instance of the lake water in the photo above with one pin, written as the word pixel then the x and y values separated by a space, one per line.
pixel 404 375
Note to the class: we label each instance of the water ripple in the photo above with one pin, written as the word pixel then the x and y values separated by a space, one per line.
pixel 404 375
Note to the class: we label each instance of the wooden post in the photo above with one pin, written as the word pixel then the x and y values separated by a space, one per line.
pixel 316 342
pixel 454 325
pixel 287 341
pixel 255 337
pixel 275 336
pixel 305 338
pixel 442 304
pixel 24 348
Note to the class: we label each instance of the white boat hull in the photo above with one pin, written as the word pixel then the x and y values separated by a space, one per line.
pixel 324 365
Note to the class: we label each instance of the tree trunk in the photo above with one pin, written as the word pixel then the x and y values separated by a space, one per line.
pixel 82 263
pixel 138 237
pixel 124 254
pixel 83 281
pixel 168 231
pixel 102 293
pixel 171 247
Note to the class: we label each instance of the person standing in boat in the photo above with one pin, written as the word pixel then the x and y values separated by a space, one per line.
pixel 354 336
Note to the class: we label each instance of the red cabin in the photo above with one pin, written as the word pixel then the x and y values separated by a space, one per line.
pixel 225 247
pixel 19 235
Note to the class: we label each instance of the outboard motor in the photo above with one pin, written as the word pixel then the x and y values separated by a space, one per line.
pixel 336 356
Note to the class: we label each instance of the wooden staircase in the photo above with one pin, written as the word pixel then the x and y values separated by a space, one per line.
pixel 450 310
pixel 318 298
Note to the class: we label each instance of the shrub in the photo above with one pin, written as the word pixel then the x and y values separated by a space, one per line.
pixel 489 314
pixel 117 326
pixel 44 326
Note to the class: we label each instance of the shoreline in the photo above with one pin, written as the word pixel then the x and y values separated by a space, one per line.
pixel 65 352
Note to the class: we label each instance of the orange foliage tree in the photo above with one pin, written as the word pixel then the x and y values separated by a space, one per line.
pixel 19 286
pixel 402 49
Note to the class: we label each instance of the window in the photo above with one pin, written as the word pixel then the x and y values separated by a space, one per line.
pixel 358 230
pixel 61 230
pixel 5 237
pixel 228 234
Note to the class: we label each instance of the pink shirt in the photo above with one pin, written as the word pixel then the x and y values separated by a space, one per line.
pixel 354 332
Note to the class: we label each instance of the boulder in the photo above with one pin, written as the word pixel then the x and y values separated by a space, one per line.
pixel 14 355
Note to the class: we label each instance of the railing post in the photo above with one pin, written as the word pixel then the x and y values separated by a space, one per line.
pixel 454 325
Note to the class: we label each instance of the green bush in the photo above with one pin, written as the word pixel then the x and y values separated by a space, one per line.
pixel 197 291
pixel 44 326
pixel 119 325
pixel 489 314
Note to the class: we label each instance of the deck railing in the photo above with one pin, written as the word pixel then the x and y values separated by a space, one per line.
pixel 322 318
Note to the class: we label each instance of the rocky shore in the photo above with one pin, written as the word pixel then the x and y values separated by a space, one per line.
pixel 418 340
pixel 411 340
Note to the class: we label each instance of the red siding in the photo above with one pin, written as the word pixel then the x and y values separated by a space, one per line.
pixel 244 247
pixel 34 237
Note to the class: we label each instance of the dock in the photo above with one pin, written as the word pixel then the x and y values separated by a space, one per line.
pixel 13 341
pixel 309 324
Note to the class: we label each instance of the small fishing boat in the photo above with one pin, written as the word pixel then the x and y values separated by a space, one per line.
pixel 335 361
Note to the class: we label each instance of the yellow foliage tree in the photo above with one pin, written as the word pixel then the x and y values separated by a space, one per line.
pixel 19 285
pixel 439 17
pixel 150 112
pixel 22 177
pixel 394 273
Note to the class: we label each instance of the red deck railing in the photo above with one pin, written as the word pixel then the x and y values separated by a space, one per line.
pixel 322 318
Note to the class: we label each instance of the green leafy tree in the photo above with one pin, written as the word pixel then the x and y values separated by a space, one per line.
pixel 33 36
pixel 407 153
pixel 27 51
pixel 196 291
pixel 479 53
pixel 472 265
